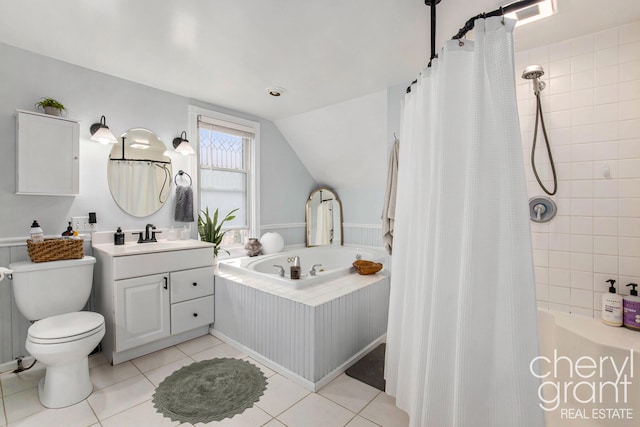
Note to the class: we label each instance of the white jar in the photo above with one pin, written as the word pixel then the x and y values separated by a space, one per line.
pixel 172 233
pixel 186 233
pixel 37 235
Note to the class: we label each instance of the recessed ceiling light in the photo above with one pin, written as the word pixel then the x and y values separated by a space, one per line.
pixel 276 90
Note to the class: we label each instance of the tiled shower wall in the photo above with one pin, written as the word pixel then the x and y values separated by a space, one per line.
pixel 591 108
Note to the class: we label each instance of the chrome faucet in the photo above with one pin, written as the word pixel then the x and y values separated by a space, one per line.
pixel 281 271
pixel 312 272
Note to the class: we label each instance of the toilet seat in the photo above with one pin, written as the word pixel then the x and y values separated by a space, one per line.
pixel 66 328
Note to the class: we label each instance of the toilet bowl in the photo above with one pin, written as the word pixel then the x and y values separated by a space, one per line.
pixel 52 294
pixel 63 344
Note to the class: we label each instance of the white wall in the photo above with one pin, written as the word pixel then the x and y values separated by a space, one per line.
pixel 344 148
pixel 88 94
pixel 25 77
pixel 592 110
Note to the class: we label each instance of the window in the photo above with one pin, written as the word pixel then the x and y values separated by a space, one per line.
pixel 228 168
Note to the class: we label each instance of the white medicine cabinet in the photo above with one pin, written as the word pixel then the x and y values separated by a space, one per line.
pixel 47 154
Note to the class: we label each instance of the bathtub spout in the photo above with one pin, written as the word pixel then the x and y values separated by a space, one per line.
pixel 281 271
pixel 312 272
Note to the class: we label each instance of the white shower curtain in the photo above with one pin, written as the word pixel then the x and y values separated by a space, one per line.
pixel 134 186
pixel 462 318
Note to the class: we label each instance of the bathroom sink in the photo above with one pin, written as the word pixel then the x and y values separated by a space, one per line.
pixel 133 248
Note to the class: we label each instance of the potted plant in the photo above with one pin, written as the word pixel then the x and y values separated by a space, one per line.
pixel 50 106
pixel 210 230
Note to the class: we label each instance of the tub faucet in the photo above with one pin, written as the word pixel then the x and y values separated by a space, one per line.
pixel 281 271
pixel 312 272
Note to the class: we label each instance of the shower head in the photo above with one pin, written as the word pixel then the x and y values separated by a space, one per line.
pixel 534 72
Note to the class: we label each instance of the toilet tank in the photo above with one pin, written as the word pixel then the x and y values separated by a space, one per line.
pixel 45 289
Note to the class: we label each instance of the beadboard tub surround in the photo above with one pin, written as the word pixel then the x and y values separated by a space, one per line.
pixel 309 335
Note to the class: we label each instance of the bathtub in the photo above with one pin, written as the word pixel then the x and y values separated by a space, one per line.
pixel 591 372
pixel 335 262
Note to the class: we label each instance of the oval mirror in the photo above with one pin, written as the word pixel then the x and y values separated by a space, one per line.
pixel 139 173
pixel 324 218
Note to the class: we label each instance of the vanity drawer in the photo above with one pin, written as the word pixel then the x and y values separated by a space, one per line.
pixel 191 314
pixel 190 284
pixel 127 266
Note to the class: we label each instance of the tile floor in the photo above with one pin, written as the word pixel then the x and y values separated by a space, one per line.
pixel 122 396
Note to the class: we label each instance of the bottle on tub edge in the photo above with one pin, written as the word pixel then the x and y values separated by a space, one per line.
pixel 631 308
pixel 295 268
pixel 612 306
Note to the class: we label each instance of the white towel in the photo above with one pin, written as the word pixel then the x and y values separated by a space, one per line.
pixel 323 229
pixel 184 204
pixel 389 208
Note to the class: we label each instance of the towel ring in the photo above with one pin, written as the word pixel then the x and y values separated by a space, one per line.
pixel 181 173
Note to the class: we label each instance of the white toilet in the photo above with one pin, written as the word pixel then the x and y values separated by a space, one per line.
pixel 53 293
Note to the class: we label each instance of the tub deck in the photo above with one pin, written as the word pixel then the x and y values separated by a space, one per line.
pixel 308 335
pixel 580 355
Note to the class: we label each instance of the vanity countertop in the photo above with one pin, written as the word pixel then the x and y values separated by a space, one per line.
pixel 133 248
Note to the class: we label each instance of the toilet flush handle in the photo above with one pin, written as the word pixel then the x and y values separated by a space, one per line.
pixel 6 272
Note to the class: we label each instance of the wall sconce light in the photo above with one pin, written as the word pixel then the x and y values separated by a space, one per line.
pixel 100 133
pixel 182 146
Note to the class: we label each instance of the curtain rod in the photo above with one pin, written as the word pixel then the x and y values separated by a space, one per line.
pixel 432 5
pixel 468 26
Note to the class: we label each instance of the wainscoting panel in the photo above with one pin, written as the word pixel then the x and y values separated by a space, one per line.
pixel 310 341
pixel 354 234
pixel 13 325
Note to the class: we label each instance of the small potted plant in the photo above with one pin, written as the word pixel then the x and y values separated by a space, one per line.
pixel 51 106
pixel 210 230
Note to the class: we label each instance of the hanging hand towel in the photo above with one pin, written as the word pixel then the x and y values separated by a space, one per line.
pixel 389 208
pixel 184 204
pixel 324 228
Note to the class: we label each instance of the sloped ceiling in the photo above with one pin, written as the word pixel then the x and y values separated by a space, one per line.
pixel 342 145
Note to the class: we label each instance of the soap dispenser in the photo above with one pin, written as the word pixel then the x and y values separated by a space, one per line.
pixel 612 306
pixel 69 231
pixel 37 235
pixel 118 237
pixel 295 268
pixel 631 308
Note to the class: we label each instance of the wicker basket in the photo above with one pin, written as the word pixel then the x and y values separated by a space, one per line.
pixel 366 267
pixel 55 249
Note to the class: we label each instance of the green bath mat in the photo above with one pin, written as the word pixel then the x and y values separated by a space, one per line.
pixel 210 390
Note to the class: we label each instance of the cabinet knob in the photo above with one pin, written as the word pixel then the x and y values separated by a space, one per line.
pixel 195 314
pixel 195 283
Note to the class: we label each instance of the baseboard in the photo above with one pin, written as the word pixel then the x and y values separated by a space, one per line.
pixel 298 379
pixel 13 365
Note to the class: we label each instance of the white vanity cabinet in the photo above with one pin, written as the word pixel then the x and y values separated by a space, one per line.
pixel 154 299
pixel 141 310
pixel 47 155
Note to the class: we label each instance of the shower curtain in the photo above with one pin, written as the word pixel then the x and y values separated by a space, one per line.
pixel 134 186
pixel 462 326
